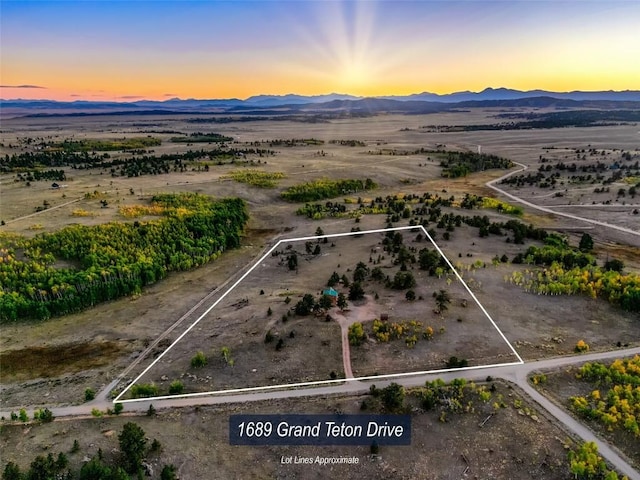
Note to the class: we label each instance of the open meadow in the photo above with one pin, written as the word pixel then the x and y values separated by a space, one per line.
pixel 308 179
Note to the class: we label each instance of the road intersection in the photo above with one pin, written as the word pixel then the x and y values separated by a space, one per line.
pixel 514 373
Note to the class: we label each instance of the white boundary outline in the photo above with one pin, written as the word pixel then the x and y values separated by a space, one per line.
pixel 320 382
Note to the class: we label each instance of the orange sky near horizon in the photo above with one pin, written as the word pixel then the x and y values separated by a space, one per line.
pixel 124 51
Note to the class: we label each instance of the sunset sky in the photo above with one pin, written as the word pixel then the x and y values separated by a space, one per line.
pixel 128 50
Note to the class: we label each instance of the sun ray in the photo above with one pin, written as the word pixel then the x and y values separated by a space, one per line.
pixel 345 48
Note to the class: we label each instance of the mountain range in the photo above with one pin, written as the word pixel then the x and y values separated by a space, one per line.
pixel 281 104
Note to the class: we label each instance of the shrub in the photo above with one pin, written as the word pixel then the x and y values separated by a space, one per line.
pixel 403 280
pixel 156 446
pixel 356 334
pixel 44 415
pixel 89 394
pixel 393 397
pixel 539 378
pixel 226 355
pixel 176 387
pixel 615 265
pixel 144 390
pixel 168 473
pixel 455 362
pixel 199 360
pixel 581 346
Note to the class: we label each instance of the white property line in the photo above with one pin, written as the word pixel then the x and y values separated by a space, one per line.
pixel 320 382
pixel 474 297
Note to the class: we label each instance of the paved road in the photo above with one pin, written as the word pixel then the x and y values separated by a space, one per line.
pixel 516 373
pixel 491 184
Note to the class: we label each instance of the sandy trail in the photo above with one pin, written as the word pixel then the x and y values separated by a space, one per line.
pixel 360 313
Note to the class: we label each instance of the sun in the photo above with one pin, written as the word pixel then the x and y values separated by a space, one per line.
pixel 345 51
pixel 355 75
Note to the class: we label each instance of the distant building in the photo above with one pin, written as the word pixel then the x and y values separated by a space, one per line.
pixel 332 294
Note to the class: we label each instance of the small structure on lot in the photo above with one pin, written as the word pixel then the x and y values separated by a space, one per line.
pixel 332 294
pixel 384 317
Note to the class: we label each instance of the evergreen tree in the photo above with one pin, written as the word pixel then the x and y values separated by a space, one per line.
pixel 586 243
pixel 11 472
pixel 132 445
pixel 168 473
pixel 342 301
pixel 356 292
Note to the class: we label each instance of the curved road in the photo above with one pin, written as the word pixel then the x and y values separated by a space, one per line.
pixel 491 184
pixel 515 373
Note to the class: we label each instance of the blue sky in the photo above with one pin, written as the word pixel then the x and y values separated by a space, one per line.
pixel 211 49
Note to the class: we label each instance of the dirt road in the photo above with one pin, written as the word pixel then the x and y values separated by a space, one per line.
pixel 491 184
pixel 516 373
pixel 357 313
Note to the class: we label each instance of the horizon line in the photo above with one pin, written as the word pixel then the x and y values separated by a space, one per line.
pixel 121 100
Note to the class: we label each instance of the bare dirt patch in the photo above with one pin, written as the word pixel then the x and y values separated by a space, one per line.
pixel 51 361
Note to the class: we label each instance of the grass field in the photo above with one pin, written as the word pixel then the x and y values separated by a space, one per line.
pixel 56 360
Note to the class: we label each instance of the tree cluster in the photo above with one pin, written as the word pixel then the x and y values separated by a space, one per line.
pixel 97 145
pixel 326 188
pixel 130 166
pixel 200 137
pixel 133 450
pixel 460 164
pixel 586 464
pixel 616 402
pixel 572 271
pixel 36 175
pixel 114 259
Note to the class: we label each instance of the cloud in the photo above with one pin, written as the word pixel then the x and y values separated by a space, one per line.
pixel 130 97
pixel 170 94
pixel 22 86
pixel 75 95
